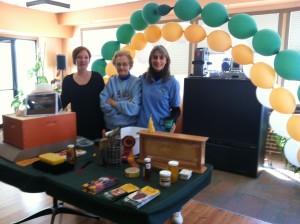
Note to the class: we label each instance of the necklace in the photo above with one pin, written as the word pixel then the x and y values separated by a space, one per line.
pixel 83 78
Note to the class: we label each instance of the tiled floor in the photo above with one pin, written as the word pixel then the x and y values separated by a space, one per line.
pixel 274 196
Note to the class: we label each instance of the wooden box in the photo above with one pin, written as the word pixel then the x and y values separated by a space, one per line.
pixel 30 132
pixel 162 147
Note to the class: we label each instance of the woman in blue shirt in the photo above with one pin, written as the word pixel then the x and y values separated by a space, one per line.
pixel 160 97
pixel 160 91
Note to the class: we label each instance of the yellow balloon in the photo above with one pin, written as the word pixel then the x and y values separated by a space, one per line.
pixel 171 31
pixel 242 54
pixel 152 33
pixel 263 75
pixel 293 127
pixel 130 49
pixel 219 40
pixel 195 33
pixel 110 69
pixel 105 80
pixel 282 101
pixel 138 41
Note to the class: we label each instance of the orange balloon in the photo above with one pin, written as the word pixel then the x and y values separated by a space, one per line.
pixel 293 127
pixel 152 33
pixel 110 69
pixel 171 31
pixel 242 54
pixel 263 75
pixel 195 33
pixel 282 101
pixel 138 41
pixel 130 49
pixel 219 40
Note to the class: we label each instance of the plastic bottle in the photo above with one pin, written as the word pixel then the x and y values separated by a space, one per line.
pixel 173 167
pixel 147 169
pixel 71 154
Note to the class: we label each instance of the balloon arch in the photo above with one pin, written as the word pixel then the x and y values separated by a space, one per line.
pixel 266 42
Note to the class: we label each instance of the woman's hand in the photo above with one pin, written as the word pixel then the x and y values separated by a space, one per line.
pixel 111 102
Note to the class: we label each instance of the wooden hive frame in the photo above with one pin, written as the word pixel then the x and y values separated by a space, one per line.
pixel 162 147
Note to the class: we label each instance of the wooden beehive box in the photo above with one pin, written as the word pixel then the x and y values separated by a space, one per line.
pixel 162 147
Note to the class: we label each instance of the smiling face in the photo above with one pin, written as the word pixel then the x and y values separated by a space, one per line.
pixel 122 65
pixel 158 61
pixel 82 60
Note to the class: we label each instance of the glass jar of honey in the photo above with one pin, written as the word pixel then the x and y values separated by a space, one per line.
pixel 173 167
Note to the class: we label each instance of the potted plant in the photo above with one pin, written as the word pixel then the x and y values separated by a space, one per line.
pixel 37 70
pixel 18 101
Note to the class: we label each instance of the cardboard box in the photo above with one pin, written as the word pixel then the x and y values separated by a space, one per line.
pixel 31 132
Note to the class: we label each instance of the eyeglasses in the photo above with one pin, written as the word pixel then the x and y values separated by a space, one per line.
pixel 122 64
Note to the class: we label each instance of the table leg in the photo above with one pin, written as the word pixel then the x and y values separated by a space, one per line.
pixel 57 208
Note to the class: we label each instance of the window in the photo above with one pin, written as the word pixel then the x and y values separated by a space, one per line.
pixel 294 44
pixel 266 21
pixel 94 39
pixel 16 55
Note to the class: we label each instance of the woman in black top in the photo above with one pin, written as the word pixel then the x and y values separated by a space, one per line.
pixel 82 90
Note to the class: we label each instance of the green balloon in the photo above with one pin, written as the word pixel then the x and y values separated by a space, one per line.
pixel 109 48
pixel 99 66
pixel 286 64
pixel 137 22
pixel 187 9
pixel 124 33
pixel 163 9
pixel 266 42
pixel 242 26
pixel 214 14
pixel 149 13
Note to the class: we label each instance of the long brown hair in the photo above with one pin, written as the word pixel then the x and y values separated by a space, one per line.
pixel 166 70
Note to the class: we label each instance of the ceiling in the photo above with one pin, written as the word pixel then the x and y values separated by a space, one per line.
pixel 76 5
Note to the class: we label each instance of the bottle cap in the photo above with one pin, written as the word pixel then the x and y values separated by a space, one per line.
pixel 173 163
pixel 165 173
pixel 71 146
pixel 147 160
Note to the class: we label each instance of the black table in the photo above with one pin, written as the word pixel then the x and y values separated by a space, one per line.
pixel 67 187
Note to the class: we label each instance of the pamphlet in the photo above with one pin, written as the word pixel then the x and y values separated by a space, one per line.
pixel 141 197
pixel 120 191
pixel 96 186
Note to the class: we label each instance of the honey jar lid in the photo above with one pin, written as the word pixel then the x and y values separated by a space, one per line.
pixel 165 173
pixel 173 163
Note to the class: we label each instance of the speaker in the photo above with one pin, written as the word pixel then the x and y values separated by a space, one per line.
pixel 61 62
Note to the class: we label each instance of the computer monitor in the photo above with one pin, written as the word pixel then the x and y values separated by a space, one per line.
pixel 235 66
pixel 42 103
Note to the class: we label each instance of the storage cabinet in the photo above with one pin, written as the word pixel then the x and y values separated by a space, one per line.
pixel 228 112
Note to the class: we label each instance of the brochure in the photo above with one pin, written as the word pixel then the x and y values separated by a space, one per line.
pixel 141 197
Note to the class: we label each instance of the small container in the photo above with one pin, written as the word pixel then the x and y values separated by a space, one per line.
pixel 173 167
pixel 165 178
pixel 185 174
pixel 147 169
pixel 71 154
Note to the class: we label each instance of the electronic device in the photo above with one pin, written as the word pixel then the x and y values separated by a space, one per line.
pixel 235 67
pixel 201 61
pixel 42 103
pixel 228 112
